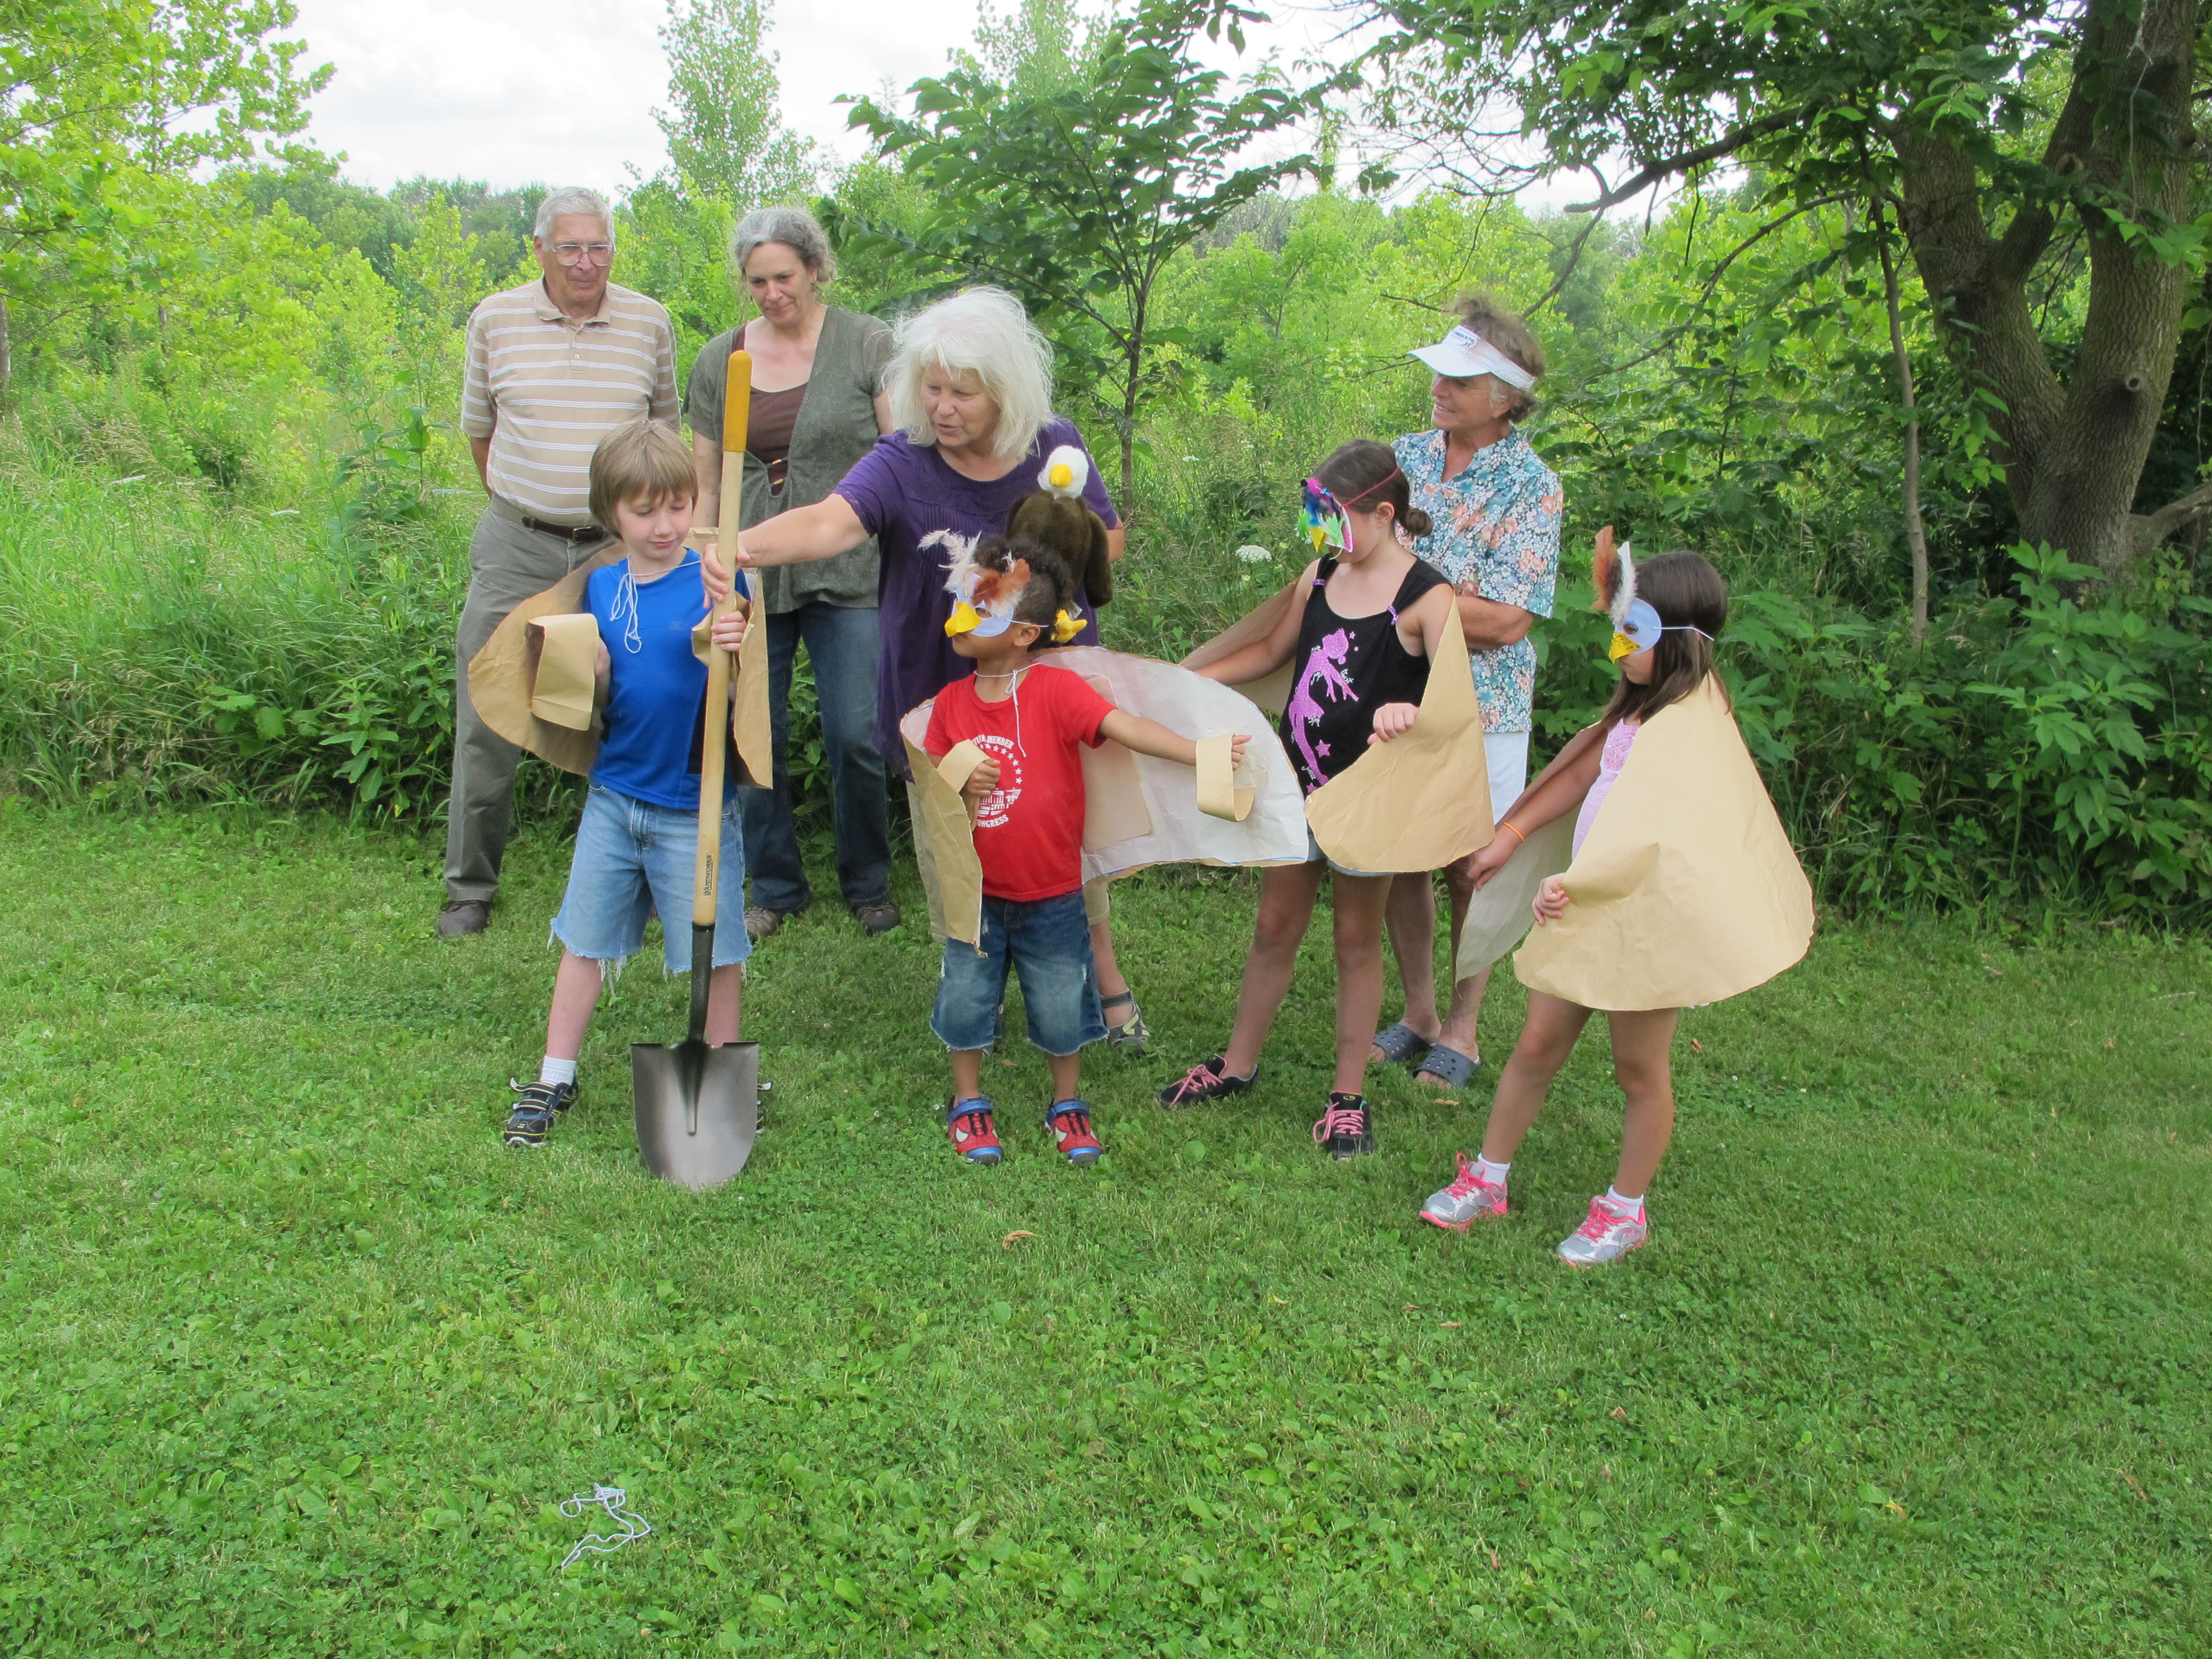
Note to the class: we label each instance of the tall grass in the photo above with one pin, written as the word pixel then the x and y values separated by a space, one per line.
pixel 159 643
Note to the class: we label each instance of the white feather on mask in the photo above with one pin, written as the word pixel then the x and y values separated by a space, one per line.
pixel 984 598
pixel 1613 574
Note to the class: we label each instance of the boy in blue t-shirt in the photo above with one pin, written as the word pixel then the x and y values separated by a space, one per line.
pixel 635 844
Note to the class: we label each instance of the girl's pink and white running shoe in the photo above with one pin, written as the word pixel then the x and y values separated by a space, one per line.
pixel 1466 1201
pixel 1603 1237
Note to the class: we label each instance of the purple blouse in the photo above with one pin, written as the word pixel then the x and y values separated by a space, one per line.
pixel 905 495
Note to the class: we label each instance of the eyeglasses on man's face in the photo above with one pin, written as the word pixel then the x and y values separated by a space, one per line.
pixel 578 253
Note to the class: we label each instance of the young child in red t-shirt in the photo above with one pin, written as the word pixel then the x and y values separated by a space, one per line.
pixel 1027 804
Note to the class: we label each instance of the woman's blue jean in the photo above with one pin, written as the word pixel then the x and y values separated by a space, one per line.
pixel 841 643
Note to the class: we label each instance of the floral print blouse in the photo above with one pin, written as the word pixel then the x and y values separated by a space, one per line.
pixel 1496 534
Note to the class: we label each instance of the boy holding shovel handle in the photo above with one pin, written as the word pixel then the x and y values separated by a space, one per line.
pixel 639 835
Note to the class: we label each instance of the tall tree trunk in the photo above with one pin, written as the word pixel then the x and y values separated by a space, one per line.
pixel 1129 423
pixel 1915 534
pixel 2073 451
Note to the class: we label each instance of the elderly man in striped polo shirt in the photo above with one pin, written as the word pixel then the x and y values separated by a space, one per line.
pixel 553 367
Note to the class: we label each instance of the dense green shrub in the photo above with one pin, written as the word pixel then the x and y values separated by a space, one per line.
pixel 2047 750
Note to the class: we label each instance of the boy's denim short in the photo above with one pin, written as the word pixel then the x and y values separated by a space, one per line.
pixel 633 859
pixel 1048 942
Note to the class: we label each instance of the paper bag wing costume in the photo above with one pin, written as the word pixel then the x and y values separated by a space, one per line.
pixel 1687 890
pixel 503 676
pixel 534 681
pixel 1421 800
pixel 1416 802
pixel 1138 811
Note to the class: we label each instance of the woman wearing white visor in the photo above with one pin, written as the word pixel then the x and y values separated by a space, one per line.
pixel 1496 508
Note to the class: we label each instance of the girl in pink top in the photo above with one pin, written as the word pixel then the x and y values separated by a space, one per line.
pixel 1666 616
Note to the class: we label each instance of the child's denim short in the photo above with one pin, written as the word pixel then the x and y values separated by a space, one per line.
pixel 634 859
pixel 1313 854
pixel 1046 942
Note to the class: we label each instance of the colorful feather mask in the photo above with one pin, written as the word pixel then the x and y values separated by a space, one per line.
pixel 1636 625
pixel 984 596
pixel 1323 520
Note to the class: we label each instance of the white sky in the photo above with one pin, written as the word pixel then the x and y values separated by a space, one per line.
pixel 562 91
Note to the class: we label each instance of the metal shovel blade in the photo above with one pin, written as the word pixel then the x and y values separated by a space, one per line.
pixel 698 1109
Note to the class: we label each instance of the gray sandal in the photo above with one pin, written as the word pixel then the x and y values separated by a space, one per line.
pixel 1131 1035
pixel 1400 1043
pixel 1447 1066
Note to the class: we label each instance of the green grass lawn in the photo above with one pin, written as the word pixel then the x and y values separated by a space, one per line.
pixel 298 1358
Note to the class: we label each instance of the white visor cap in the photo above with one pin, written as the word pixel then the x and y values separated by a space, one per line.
pixel 1463 353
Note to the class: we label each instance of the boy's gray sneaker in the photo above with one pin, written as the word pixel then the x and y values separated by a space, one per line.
pixel 531 1119
pixel 1602 1237
pixel 1466 1201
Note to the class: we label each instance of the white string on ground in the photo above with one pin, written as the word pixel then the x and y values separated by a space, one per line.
pixel 616 1502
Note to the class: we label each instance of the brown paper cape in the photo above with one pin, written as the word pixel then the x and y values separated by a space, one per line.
pixel 1421 800
pixel 1140 811
pixel 503 675
pixel 952 834
pixel 1498 915
pixel 1687 890
pixel 503 678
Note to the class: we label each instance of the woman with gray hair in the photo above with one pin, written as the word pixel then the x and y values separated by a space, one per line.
pixel 1495 509
pixel 817 406
pixel 970 386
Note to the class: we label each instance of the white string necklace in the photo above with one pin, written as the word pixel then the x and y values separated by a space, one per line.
pixel 1014 696
pixel 625 611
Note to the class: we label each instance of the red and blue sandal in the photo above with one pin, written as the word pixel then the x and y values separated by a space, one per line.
pixel 1070 1122
pixel 974 1135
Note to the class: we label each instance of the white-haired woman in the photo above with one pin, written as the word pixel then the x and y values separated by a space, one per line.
pixel 970 385
pixel 818 405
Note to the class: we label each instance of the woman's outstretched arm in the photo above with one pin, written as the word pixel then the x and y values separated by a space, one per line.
pixel 803 534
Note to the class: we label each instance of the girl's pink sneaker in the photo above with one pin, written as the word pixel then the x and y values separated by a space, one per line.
pixel 1603 1237
pixel 1466 1201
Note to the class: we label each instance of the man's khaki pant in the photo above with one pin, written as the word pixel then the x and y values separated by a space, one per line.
pixel 507 564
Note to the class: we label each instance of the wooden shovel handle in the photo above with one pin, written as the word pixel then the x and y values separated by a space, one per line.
pixel 715 743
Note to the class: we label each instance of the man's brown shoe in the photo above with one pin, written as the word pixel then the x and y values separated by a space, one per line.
pixel 877 916
pixel 462 917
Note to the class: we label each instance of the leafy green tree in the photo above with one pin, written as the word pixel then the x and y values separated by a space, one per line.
pixel 1077 196
pixel 2006 149
pixel 100 102
pixel 1037 47
pixel 724 137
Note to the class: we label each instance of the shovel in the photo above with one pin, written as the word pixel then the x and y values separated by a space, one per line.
pixel 698 1107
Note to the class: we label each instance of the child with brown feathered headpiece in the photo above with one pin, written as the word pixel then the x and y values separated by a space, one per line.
pixel 1019 726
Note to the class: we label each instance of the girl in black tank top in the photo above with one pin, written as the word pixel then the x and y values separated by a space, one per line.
pixel 1346 668
pixel 1354 679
